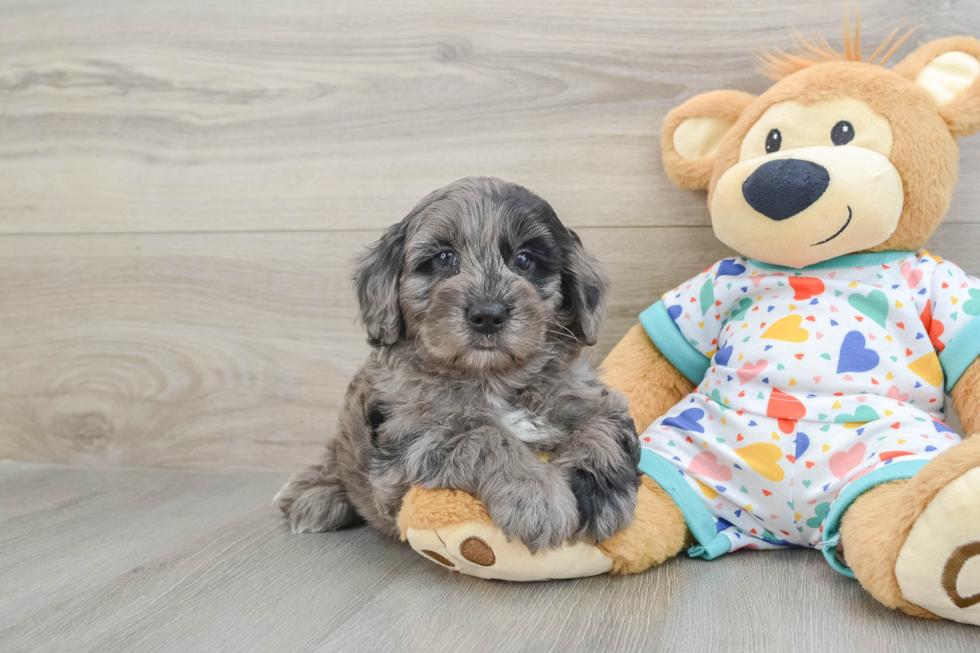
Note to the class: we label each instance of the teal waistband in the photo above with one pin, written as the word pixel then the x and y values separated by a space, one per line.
pixel 711 543
pixel 960 353
pixel 831 525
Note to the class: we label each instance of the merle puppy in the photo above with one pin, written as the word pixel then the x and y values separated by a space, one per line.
pixel 480 306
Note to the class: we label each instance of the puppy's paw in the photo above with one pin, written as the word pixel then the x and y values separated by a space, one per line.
pixel 315 507
pixel 541 512
pixel 606 502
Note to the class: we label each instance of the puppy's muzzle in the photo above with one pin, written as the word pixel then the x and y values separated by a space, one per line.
pixel 486 317
pixel 781 189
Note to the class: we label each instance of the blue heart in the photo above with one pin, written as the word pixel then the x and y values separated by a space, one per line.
pixel 854 356
pixel 722 524
pixel 674 312
pixel 941 428
pixel 833 323
pixel 930 448
pixel 687 421
pixel 802 444
pixel 723 355
pixel 730 268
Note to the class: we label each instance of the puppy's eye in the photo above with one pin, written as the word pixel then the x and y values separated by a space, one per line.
pixel 842 133
pixel 524 261
pixel 774 141
pixel 445 260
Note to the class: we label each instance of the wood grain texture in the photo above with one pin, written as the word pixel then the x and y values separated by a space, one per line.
pixel 233 351
pixel 229 116
pixel 156 560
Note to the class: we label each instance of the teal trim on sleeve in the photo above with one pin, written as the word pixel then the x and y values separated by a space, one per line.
pixel 711 543
pixel 865 260
pixel 892 472
pixel 667 336
pixel 960 353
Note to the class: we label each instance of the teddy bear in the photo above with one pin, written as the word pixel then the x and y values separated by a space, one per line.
pixel 794 395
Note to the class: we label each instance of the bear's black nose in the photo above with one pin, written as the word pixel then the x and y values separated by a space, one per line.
pixel 487 318
pixel 780 189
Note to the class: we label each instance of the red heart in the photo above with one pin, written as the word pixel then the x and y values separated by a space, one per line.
pixel 799 357
pixel 809 464
pixel 786 408
pixel 806 287
pixel 739 438
pixel 767 493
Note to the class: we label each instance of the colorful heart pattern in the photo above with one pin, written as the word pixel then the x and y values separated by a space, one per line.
pixel 813 380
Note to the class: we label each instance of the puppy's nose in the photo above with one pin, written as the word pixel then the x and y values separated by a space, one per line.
pixel 780 189
pixel 487 317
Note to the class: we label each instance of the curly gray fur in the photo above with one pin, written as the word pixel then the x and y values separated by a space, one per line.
pixel 439 404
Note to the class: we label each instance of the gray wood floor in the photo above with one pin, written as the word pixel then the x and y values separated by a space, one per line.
pixel 159 560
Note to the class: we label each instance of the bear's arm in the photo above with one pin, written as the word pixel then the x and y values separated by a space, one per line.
pixel 966 399
pixel 650 382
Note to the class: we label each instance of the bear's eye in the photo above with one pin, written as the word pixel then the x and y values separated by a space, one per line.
pixel 842 133
pixel 773 141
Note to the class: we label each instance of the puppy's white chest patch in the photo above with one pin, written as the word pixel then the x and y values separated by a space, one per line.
pixel 522 425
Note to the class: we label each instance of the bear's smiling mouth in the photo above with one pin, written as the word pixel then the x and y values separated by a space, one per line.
pixel 850 214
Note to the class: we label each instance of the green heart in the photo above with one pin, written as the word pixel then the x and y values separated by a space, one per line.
pixel 825 356
pixel 875 305
pixel 744 491
pixel 744 305
pixel 707 296
pixel 894 358
pixel 825 428
pixel 716 395
pixel 821 512
pixel 790 504
pixel 671 444
pixel 972 307
pixel 806 483
pixel 863 414
pixel 780 366
pixel 838 293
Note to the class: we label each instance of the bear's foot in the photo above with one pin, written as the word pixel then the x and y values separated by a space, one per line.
pixel 915 544
pixel 938 568
pixel 453 529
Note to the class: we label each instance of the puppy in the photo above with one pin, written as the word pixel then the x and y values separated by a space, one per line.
pixel 480 306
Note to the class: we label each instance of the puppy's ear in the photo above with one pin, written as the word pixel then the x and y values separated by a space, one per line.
pixel 583 287
pixel 376 281
pixel 692 133
pixel 949 70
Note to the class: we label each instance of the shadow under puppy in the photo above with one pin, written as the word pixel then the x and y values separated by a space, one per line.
pixel 480 305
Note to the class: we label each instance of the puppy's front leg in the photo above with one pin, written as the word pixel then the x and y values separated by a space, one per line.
pixel 600 456
pixel 528 499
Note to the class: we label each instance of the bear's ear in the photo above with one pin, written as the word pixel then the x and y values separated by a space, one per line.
pixel 693 131
pixel 949 70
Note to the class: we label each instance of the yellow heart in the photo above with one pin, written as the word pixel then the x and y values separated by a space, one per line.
pixel 704 444
pixel 853 284
pixel 826 448
pixel 748 507
pixel 764 459
pixel 898 304
pixel 792 307
pixel 890 376
pixel 928 369
pixel 788 330
pixel 792 381
pixel 708 492
pixel 798 516
pixel 901 441
pixel 836 405
pixel 888 413
pixel 740 357
pixel 701 324
pixel 774 436
pixel 711 354
pixel 889 339
pixel 955 300
pixel 723 419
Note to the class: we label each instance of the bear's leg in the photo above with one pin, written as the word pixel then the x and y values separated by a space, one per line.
pixel 453 529
pixel 915 544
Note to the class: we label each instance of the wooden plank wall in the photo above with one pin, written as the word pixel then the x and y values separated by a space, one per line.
pixel 183 186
